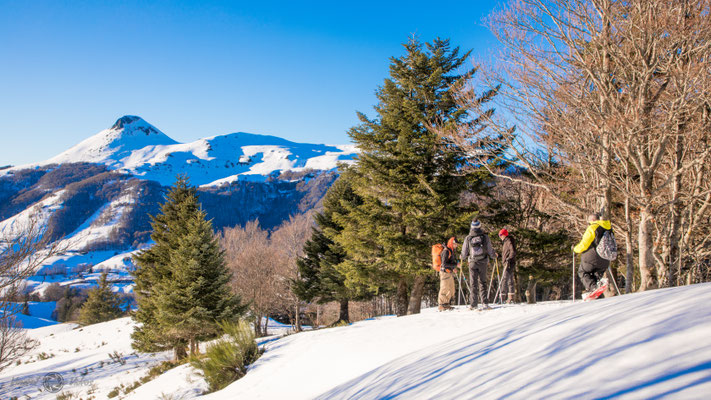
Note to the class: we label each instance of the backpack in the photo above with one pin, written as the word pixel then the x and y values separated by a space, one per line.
pixel 476 248
pixel 437 256
pixel 607 247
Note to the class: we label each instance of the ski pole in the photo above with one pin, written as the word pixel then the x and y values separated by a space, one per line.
pixel 609 271
pixel 499 293
pixel 491 281
pixel 496 261
pixel 459 294
pixel 573 276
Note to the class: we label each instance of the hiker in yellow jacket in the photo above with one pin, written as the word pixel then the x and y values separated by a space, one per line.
pixel 592 266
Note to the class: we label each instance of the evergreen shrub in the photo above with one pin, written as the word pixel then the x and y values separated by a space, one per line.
pixel 227 359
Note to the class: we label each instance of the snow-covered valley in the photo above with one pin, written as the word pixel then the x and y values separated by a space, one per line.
pixel 641 346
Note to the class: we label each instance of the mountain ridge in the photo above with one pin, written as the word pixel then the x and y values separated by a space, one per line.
pixel 135 147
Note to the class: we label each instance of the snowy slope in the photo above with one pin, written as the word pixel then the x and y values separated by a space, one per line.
pixel 81 356
pixel 134 146
pixel 649 345
pixel 640 346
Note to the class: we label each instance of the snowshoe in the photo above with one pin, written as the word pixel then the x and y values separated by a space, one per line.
pixel 601 287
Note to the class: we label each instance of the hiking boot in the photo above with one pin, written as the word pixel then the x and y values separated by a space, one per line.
pixel 441 308
pixel 602 282
pixel 510 298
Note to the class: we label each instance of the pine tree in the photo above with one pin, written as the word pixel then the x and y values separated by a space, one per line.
pixel 101 304
pixel 409 178
pixel 319 276
pixel 182 283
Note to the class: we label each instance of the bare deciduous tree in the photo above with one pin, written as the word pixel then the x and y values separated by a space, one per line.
pixel 607 102
pixel 23 249
pixel 253 265
pixel 289 239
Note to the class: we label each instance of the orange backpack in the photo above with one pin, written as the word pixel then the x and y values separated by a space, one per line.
pixel 437 256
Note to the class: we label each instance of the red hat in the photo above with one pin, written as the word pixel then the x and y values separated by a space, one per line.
pixel 503 232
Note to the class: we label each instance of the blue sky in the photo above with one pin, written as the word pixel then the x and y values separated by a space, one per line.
pixel 299 70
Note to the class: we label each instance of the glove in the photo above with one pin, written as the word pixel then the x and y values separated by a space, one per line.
pixel 572 247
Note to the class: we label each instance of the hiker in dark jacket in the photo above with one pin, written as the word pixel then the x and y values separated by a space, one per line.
pixel 592 266
pixel 446 275
pixel 477 250
pixel 508 260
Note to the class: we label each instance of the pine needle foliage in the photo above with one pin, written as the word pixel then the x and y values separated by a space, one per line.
pixel 227 359
pixel 182 282
pixel 101 304
pixel 410 179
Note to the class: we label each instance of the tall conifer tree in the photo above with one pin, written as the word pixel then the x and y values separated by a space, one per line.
pixel 409 178
pixel 320 276
pixel 182 283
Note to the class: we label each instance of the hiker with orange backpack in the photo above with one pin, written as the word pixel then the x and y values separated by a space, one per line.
pixel 443 260
pixel 477 250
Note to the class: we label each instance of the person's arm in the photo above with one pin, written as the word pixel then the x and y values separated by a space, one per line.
pixel 490 248
pixel 587 240
pixel 465 250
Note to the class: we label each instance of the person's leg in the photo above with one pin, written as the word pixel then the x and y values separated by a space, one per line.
pixel 587 276
pixel 481 281
pixel 599 272
pixel 442 298
pixel 446 288
pixel 474 287
pixel 508 282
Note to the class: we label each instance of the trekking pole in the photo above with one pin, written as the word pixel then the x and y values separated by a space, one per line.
pixel 496 262
pixel 459 294
pixel 491 281
pixel 609 271
pixel 573 276
pixel 499 293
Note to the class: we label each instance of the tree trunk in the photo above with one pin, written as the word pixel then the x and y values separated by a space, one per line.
pixel 179 353
pixel 418 288
pixel 646 260
pixel 674 266
pixel 629 251
pixel 258 325
pixel 402 297
pixel 297 317
pixel 343 313
pixel 531 290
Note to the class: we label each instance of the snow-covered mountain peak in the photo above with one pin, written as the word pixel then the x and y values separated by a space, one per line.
pixel 127 120
pixel 132 131
pixel 136 147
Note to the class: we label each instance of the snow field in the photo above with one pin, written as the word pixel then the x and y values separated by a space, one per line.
pixel 649 345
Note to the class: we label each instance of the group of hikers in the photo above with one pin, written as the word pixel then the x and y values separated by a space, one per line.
pixel 596 248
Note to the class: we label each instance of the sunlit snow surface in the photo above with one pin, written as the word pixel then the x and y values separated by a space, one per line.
pixel 652 345
pixel 642 346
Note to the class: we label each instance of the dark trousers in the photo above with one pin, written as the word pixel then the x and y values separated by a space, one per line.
pixel 590 273
pixel 477 280
pixel 507 280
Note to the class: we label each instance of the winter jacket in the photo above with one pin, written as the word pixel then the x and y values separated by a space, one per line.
pixel 508 252
pixel 449 263
pixel 586 247
pixel 488 248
